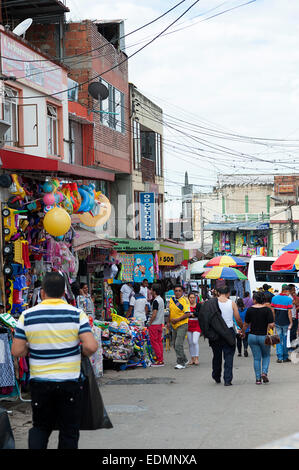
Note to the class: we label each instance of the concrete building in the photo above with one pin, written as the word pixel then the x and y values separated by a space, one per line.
pixel 285 216
pixel 236 215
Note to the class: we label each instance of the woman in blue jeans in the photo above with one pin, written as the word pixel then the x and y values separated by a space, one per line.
pixel 260 318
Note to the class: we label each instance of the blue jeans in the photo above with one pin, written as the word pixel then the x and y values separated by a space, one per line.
pixel 281 348
pixel 261 354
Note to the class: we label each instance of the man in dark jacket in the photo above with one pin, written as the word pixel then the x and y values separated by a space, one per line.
pixel 217 327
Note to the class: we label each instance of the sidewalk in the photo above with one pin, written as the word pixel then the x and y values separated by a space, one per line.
pixel 167 408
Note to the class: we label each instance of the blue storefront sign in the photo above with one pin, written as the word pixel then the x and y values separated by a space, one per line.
pixel 147 216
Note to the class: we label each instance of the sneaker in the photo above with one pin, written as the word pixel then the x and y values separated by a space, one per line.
pixel 179 366
pixel 287 360
pixel 258 381
pixel 246 353
pixel 239 355
pixel 157 364
pixel 279 361
pixel 217 380
pixel 227 384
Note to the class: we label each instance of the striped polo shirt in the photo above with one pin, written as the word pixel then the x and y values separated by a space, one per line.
pixel 52 330
pixel 282 303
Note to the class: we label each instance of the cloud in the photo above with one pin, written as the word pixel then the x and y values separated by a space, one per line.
pixel 239 70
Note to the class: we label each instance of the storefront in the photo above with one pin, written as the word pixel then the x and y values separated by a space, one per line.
pixel 241 239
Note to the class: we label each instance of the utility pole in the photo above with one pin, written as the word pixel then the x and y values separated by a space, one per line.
pixel 201 229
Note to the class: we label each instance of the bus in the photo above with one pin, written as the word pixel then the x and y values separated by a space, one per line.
pixel 259 273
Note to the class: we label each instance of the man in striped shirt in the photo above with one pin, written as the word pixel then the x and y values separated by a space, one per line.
pixel 282 305
pixel 51 332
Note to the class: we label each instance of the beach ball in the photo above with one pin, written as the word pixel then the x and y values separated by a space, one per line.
pixel 49 199
pixel 57 222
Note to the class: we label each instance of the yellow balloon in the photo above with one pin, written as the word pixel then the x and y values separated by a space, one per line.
pixel 57 222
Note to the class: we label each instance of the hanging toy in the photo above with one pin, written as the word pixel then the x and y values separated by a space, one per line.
pixel 48 187
pixel 57 222
pixel 49 199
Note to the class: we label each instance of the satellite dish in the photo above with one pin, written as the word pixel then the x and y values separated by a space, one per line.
pixel 98 91
pixel 22 27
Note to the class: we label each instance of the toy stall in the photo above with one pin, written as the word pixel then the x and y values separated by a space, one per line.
pixel 37 237
pixel 125 345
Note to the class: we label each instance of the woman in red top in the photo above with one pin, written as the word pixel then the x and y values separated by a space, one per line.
pixel 193 329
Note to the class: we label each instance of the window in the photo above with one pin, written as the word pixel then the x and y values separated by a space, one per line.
pixel 76 142
pixel 52 122
pixel 136 145
pixel 282 236
pixel 113 109
pixel 151 148
pixel 158 155
pixel 10 115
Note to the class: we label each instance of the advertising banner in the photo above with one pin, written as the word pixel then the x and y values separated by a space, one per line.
pixel 147 216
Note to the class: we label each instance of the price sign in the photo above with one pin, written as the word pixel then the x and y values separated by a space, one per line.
pixel 166 259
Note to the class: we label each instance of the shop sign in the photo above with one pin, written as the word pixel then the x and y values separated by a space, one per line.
pixel 126 244
pixel 166 259
pixel 31 66
pixel 263 227
pixel 147 216
pixel 285 188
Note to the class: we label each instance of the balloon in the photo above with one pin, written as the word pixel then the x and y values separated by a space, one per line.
pixel 49 199
pixel 48 187
pixel 57 222
pixel 58 197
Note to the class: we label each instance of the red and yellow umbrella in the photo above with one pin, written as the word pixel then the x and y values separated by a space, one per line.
pixel 225 261
pixel 289 261
pixel 222 272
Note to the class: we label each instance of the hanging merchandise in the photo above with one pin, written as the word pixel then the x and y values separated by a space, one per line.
pixel 143 267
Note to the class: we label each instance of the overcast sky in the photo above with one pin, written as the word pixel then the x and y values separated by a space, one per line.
pixel 238 72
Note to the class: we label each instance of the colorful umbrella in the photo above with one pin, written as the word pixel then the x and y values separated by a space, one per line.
pixel 225 261
pixel 220 272
pixel 288 261
pixel 294 246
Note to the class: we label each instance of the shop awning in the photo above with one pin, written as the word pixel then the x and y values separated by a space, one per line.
pixel 86 239
pixel 234 227
pixel 17 161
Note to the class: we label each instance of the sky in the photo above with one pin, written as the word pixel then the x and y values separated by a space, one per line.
pixel 236 73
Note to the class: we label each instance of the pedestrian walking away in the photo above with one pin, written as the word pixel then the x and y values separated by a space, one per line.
pixel 51 333
pixel 282 304
pixel 295 311
pixel 216 321
pixel 260 319
pixel 242 339
pixel 155 325
pixel 193 329
pixel 179 312
pixel 248 302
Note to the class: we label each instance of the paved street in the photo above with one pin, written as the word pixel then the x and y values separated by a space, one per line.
pixel 187 410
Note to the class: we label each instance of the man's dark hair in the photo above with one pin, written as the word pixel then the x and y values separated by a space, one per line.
pixel 246 294
pixel 136 288
pixel 233 292
pixel 54 285
pixel 240 304
pixel 223 290
pixel 82 284
pixel 157 289
pixel 178 286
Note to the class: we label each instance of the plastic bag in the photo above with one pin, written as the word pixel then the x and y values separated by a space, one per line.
pixel 6 436
pixel 94 414
pixel 289 339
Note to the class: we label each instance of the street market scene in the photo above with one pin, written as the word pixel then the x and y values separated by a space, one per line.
pixel 149 286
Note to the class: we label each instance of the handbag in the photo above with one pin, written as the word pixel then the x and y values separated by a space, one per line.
pixel 272 339
pixel 94 415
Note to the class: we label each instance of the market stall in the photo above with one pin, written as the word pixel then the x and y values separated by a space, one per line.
pixel 38 236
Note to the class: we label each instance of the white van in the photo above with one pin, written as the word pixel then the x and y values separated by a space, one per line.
pixel 259 273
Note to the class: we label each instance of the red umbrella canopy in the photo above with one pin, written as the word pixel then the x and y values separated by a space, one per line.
pixel 288 261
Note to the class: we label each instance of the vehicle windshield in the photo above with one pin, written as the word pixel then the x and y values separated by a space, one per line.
pixel 263 273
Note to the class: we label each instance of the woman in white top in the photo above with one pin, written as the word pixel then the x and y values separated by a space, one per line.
pixel 229 311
